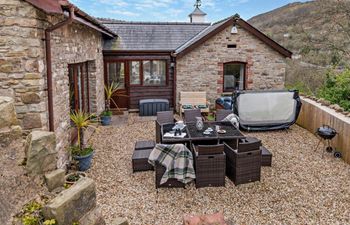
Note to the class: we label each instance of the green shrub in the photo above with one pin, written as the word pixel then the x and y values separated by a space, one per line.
pixel 30 220
pixel 50 222
pixel 301 87
pixel 337 89
pixel 32 207
pixel 106 113
pixel 78 151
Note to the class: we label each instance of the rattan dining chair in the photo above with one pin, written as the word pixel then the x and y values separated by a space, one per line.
pixel 221 114
pixel 191 114
pixel 210 164
pixel 163 117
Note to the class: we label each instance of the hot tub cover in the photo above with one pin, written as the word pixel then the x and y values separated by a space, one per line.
pixel 267 110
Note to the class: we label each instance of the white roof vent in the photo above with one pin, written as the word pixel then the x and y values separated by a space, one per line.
pixel 197 16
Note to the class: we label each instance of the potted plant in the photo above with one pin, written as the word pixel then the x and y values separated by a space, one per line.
pixel 72 178
pixel 80 152
pixel 111 90
pixel 106 117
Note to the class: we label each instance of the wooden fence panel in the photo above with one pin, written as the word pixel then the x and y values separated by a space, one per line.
pixel 313 115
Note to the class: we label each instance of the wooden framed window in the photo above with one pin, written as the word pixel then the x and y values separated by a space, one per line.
pixel 234 76
pixel 116 73
pixel 79 87
pixel 154 73
pixel 135 72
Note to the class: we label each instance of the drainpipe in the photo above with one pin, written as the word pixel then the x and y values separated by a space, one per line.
pixel 49 63
pixel 173 61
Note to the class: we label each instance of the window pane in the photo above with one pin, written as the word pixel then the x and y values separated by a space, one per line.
pixel 233 77
pixel 71 88
pixel 116 74
pixel 146 72
pixel 229 82
pixel 135 73
pixel 86 87
pixel 154 72
pixel 80 94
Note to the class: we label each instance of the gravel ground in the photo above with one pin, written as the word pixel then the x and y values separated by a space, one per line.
pixel 301 187
pixel 16 188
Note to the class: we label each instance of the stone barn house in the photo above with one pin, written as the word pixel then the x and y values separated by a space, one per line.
pixel 55 58
pixel 161 59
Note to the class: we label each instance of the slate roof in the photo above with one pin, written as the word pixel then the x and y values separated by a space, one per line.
pixel 179 38
pixel 201 35
pixel 150 36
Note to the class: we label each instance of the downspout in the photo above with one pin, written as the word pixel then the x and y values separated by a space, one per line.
pixel 49 63
pixel 173 60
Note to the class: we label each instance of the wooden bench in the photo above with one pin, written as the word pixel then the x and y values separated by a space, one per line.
pixel 194 99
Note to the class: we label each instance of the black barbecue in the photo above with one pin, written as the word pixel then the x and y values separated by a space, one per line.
pixel 326 133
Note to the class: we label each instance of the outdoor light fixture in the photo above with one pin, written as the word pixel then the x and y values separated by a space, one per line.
pixel 234 29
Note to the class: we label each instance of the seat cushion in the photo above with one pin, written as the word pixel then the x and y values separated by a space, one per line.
pixel 187 106
pixel 201 106
pixel 140 145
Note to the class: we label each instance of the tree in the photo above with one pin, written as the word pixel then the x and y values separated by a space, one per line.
pixel 332 40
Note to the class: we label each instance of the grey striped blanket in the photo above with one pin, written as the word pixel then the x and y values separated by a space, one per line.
pixel 177 159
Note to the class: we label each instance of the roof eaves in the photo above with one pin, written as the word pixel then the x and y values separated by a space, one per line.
pixel 58 7
pixel 46 6
pixel 183 46
pixel 188 46
pixel 93 23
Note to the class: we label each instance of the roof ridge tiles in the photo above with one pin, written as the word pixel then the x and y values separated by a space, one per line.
pixel 115 21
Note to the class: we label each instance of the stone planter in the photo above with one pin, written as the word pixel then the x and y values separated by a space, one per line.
pixel 84 162
pixel 106 120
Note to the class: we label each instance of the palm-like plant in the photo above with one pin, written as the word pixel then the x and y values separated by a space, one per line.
pixel 112 90
pixel 81 121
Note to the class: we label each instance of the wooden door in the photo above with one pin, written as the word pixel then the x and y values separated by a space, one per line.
pixel 116 71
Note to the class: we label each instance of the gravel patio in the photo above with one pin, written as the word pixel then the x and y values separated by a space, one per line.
pixel 301 187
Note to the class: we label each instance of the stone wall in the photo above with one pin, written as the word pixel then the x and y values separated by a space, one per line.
pixel 23 69
pixel 22 66
pixel 72 44
pixel 202 69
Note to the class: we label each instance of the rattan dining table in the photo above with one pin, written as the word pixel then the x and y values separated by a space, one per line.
pixel 194 135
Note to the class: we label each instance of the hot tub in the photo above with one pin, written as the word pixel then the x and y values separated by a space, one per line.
pixel 266 110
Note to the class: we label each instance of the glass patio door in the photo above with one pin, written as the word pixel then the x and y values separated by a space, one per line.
pixel 78 87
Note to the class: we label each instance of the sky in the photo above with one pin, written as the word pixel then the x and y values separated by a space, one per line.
pixel 175 10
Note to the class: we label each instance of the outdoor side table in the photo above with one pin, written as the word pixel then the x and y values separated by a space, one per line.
pixel 140 160
pixel 266 157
